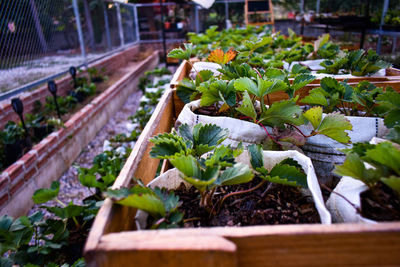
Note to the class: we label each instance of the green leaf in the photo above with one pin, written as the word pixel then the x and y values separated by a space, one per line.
pixel 180 53
pixel 246 84
pixel 386 154
pixel 170 200
pixel 392 118
pixel 393 182
pixel 186 132
pixel 43 195
pixel 282 112
pixel 394 134
pixel 203 76
pixel 167 145
pixel 247 107
pixel 352 166
pixel 142 198
pixel 90 180
pixel 315 97
pixel 314 116
pixel 302 80
pixel 287 175
pixel 186 90
pixel 256 156
pixel 274 73
pixel 275 86
pixel 209 96
pixel 187 165
pixel 334 126
pixel 238 174
pixel 209 134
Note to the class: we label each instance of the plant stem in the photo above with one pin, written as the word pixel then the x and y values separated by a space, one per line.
pixel 191 219
pixel 60 202
pixel 340 195
pixel 265 129
pixel 298 129
pixel 239 193
pixel 197 73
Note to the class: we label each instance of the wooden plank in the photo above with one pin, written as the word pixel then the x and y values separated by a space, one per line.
pixel 111 217
pixel 182 72
pixel 118 250
pixel 276 245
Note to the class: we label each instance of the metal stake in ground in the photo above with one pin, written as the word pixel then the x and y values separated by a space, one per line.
pixel 52 86
pixel 18 107
pixel 72 71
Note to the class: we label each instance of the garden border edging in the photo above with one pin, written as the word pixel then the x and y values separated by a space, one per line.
pixel 47 160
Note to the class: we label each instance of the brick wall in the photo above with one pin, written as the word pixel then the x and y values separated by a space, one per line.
pixel 64 85
pixel 47 160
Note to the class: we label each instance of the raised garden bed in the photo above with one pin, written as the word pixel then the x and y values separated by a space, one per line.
pixel 391 79
pixel 52 156
pixel 113 239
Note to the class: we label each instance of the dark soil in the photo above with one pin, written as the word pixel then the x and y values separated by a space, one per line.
pixel 277 205
pixel 380 204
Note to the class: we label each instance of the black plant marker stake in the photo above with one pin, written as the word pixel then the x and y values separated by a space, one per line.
pixel 72 71
pixel 52 86
pixel 18 107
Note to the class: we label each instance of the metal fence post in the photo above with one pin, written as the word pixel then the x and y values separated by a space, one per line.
pixel 79 28
pixel 226 14
pixel 107 25
pixel 196 12
pixel 384 11
pixel 120 30
pixel 135 13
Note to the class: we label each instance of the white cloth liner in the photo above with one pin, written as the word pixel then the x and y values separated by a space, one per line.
pixel 239 130
pixel 341 210
pixel 171 180
pixel 314 66
pixel 202 65
pixel 325 149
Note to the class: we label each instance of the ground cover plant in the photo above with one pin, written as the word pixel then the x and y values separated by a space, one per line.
pixel 217 181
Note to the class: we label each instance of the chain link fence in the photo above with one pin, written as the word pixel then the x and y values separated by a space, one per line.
pixel 41 39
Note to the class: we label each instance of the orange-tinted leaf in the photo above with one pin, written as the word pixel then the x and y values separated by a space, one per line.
pixel 218 56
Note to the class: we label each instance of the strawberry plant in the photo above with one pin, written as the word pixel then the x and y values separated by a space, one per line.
pixel 382 201
pixel 365 99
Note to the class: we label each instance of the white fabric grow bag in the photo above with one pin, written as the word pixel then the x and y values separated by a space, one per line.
pixel 171 180
pixel 239 130
pixel 325 149
pixel 341 210
pixel 201 65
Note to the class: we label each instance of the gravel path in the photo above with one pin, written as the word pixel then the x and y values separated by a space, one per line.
pixel 70 187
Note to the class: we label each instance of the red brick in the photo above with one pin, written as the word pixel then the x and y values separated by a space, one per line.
pixel 3 199
pixel 4 182
pixel 41 148
pixel 100 99
pixel 15 170
pixel 28 160
pixel 52 140
pixel 18 185
pixel 75 120
pixel 30 173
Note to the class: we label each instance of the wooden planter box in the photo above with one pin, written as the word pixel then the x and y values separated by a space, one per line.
pixel 113 240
